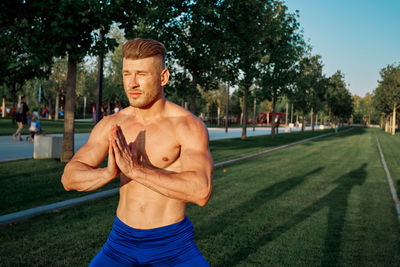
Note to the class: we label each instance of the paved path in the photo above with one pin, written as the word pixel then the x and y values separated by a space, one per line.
pixel 13 150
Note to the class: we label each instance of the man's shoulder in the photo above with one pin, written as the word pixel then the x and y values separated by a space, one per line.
pixel 186 124
pixel 183 116
pixel 115 118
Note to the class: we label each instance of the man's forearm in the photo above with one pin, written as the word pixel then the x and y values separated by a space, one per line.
pixel 81 177
pixel 186 186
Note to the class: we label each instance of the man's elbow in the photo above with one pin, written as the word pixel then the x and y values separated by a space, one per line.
pixel 64 182
pixel 204 197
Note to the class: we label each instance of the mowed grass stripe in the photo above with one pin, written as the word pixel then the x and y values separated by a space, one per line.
pixel 285 217
pixel 322 202
pixel 390 148
pixel 31 183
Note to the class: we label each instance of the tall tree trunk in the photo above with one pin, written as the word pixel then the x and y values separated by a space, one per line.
pixel 194 93
pixel 56 112
pixel 394 119
pixel 287 111
pixel 273 116
pixel 3 107
pixel 218 115
pixel 329 120
pixel 267 118
pixel 227 110
pixel 254 114
pixel 244 125
pixel 291 115
pixel 50 108
pixel 386 124
pixel 99 100
pixel 312 119
pixel 108 107
pixel 398 123
pixel 14 97
pixel 68 139
pixel 303 120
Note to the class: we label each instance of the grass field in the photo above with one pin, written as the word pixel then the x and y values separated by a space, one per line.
pixel 324 202
pixel 49 127
pixel 30 183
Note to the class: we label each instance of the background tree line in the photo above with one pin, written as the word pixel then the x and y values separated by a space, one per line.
pixel 253 48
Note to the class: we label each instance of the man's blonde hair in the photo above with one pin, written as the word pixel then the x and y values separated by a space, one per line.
pixel 142 48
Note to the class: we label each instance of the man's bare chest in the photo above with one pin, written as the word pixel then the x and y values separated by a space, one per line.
pixel 156 145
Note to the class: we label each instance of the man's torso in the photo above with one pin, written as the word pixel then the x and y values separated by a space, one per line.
pixel 157 147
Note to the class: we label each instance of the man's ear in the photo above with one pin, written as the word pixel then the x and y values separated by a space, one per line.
pixel 164 77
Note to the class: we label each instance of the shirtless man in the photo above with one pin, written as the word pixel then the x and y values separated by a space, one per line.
pixel 161 153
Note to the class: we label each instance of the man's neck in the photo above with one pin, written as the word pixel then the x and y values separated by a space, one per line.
pixel 152 112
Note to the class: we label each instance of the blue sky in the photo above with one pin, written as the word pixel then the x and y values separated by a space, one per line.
pixel 358 37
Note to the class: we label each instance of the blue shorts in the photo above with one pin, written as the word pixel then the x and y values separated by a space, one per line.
pixel 171 245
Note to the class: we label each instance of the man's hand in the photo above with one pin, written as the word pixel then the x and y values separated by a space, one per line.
pixel 125 155
pixel 112 168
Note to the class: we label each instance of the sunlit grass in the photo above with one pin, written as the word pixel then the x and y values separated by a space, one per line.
pixel 30 183
pixel 324 202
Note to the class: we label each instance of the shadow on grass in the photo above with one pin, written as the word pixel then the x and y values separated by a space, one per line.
pixel 344 133
pixel 237 215
pixel 257 143
pixel 265 142
pixel 335 201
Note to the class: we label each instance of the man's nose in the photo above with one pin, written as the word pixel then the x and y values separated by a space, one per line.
pixel 133 81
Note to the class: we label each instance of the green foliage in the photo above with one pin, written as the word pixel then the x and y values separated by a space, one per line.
pixel 18 61
pixel 307 94
pixel 364 110
pixel 70 27
pixel 338 97
pixel 387 94
pixel 283 45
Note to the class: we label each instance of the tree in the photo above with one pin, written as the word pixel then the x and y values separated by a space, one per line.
pixel 70 28
pixel 387 94
pixel 306 94
pixel 283 45
pixel 338 98
pixel 364 110
pixel 243 24
pixel 18 62
pixel 190 31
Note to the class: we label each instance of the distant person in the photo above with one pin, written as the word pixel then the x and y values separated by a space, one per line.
pixel 160 151
pixel 94 112
pixel 277 123
pixel 44 113
pixel 21 116
pixel 117 108
pixel 34 127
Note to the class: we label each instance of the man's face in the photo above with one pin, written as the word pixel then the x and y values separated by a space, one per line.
pixel 143 80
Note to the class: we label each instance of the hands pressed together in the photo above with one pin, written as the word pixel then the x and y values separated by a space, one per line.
pixel 122 158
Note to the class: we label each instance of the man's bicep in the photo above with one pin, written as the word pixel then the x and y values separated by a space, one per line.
pixel 96 148
pixel 195 154
pixel 91 154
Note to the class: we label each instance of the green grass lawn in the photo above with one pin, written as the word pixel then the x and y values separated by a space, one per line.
pixel 49 127
pixel 30 183
pixel 324 202
pixel 391 150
